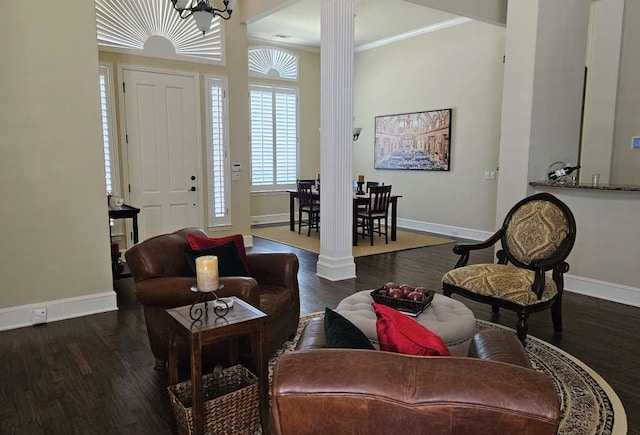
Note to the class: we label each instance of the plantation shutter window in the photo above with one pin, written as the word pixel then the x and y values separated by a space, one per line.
pixel 217 152
pixel 109 143
pixel 274 137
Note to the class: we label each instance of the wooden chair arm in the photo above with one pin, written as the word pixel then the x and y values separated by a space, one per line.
pixel 464 249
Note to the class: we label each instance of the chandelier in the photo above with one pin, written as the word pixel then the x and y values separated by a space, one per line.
pixel 202 11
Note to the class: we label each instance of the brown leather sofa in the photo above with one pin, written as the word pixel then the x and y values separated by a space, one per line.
pixel 163 280
pixel 346 391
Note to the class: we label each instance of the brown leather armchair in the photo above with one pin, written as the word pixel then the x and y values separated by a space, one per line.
pixel 347 391
pixel 163 280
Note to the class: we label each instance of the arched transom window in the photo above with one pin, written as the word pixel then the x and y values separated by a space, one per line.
pixel 273 63
pixel 153 28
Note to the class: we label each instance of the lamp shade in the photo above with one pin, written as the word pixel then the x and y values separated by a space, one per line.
pixel 203 20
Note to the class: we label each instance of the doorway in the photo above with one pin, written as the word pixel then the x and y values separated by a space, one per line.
pixel 163 148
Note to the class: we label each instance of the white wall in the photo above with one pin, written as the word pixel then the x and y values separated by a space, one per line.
pixel 543 82
pixel 603 63
pixel 55 239
pixel 489 11
pixel 460 68
pixel 626 163
pixel 604 259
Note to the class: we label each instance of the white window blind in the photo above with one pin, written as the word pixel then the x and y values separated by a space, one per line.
pixel 131 25
pixel 109 144
pixel 274 137
pixel 217 151
pixel 269 61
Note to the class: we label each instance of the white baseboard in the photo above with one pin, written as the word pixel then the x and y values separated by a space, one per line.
pixel 445 230
pixel 266 219
pixel 61 309
pixel 608 291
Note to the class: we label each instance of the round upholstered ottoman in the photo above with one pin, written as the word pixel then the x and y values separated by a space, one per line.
pixel 451 320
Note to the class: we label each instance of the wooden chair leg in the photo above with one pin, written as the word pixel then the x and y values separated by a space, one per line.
pixel 556 316
pixel 522 326
pixel 386 232
pixel 371 231
pixel 309 224
pixel 299 220
pixel 495 312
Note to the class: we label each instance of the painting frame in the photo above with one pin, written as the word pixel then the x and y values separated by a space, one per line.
pixel 413 141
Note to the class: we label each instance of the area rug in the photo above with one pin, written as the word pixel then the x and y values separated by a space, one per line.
pixel 405 240
pixel 588 404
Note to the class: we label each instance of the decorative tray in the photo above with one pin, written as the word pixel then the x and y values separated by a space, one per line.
pixel 407 306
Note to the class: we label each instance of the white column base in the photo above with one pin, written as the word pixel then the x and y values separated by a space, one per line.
pixel 335 269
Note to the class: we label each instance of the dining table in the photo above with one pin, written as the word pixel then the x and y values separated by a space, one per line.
pixel 358 200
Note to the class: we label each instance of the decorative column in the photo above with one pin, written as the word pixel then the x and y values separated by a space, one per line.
pixel 335 261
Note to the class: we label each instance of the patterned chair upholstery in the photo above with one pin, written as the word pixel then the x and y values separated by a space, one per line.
pixel 536 237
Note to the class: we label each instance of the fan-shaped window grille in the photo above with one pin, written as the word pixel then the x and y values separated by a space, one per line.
pixel 273 63
pixel 153 28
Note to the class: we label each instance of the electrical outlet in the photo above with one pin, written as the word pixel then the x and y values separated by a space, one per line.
pixel 38 316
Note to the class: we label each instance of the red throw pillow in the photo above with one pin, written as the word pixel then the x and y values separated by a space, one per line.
pixel 399 333
pixel 197 243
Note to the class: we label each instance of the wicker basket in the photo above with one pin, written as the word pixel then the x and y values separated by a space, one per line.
pixel 231 403
pixel 413 308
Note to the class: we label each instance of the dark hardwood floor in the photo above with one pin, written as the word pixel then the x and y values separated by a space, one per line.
pixel 94 375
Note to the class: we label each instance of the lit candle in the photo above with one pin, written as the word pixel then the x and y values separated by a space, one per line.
pixel 360 178
pixel 207 273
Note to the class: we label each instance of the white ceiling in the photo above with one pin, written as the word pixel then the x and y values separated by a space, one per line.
pixel 375 21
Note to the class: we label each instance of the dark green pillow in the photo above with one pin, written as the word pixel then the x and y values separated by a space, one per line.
pixel 341 333
pixel 229 261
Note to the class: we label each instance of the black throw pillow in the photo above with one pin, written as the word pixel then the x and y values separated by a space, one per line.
pixel 229 261
pixel 341 333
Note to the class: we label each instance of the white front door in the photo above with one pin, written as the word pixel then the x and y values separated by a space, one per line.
pixel 163 139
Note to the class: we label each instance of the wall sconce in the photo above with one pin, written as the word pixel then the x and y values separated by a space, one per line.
pixel 356 133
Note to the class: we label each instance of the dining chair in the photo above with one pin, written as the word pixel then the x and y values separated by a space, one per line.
pixel 308 205
pixel 536 237
pixel 373 183
pixel 363 207
pixel 377 210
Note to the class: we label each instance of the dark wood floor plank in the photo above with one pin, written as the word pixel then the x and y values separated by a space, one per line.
pixel 94 375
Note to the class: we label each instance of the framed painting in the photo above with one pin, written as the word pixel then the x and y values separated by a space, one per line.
pixel 418 141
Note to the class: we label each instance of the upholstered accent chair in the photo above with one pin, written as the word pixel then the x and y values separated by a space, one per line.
pixel 536 237
pixel 163 279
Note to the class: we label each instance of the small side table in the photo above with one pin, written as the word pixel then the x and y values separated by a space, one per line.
pixel 124 212
pixel 242 319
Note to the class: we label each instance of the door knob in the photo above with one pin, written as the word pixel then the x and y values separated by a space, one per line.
pixel 193 188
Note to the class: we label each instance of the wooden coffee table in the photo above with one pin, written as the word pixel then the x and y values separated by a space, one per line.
pixel 242 319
